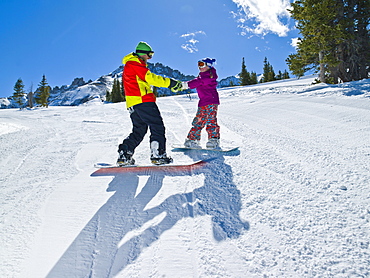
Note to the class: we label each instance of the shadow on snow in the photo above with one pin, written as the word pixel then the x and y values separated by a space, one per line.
pixel 102 248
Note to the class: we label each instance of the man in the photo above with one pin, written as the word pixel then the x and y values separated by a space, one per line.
pixel 140 101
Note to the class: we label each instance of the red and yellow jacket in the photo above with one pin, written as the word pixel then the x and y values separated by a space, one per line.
pixel 137 81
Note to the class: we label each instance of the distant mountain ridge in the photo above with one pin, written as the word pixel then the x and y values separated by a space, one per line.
pixel 80 92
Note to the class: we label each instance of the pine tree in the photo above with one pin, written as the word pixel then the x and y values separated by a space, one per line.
pixel 244 75
pixel 254 79
pixel 271 74
pixel 335 39
pixel 266 69
pixel 297 65
pixel 268 72
pixel 279 75
pixel 19 93
pixel 108 96
pixel 117 93
pixel 43 93
pixel 286 75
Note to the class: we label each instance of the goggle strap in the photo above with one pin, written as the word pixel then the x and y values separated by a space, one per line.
pixel 149 53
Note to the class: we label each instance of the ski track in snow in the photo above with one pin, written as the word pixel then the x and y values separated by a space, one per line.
pixel 293 202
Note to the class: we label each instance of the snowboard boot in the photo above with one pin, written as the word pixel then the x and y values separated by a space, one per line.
pixel 158 157
pixel 125 158
pixel 193 144
pixel 162 159
pixel 213 143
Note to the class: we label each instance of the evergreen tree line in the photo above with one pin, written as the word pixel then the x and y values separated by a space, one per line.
pixel 250 78
pixel 334 40
pixel 40 96
pixel 117 94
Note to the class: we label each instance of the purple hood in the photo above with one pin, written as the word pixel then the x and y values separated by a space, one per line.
pixel 206 85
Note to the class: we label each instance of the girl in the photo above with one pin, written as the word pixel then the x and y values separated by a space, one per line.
pixel 206 115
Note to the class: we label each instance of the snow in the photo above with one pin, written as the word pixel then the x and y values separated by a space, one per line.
pixel 294 202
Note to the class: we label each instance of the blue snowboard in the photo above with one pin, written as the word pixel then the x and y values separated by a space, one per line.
pixel 181 147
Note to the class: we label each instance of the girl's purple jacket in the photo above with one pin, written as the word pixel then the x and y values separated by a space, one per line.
pixel 206 85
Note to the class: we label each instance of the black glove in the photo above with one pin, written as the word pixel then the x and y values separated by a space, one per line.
pixel 175 86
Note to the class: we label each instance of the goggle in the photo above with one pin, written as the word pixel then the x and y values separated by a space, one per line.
pixel 149 53
pixel 201 64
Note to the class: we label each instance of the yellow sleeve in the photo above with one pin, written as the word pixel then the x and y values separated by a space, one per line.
pixel 157 80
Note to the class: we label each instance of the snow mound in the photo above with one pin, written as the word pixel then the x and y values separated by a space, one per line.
pixel 6 128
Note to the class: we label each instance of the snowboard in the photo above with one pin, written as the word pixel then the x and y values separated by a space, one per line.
pixel 108 169
pixel 181 147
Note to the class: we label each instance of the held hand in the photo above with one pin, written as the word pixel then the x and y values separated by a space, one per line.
pixel 185 85
pixel 176 87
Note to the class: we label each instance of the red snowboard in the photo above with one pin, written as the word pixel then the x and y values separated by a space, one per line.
pixel 111 169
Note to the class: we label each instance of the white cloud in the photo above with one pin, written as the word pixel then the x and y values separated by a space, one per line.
pixel 263 16
pixel 190 43
pixel 294 42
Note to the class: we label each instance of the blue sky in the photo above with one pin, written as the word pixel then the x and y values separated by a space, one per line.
pixel 68 39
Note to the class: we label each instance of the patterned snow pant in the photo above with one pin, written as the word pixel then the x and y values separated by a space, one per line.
pixel 206 116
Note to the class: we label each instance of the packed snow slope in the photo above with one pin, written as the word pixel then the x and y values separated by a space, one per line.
pixel 293 202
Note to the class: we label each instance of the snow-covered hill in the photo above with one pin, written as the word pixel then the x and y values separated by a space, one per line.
pixel 294 202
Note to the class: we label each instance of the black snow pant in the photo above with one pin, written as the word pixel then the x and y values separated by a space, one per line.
pixel 145 115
